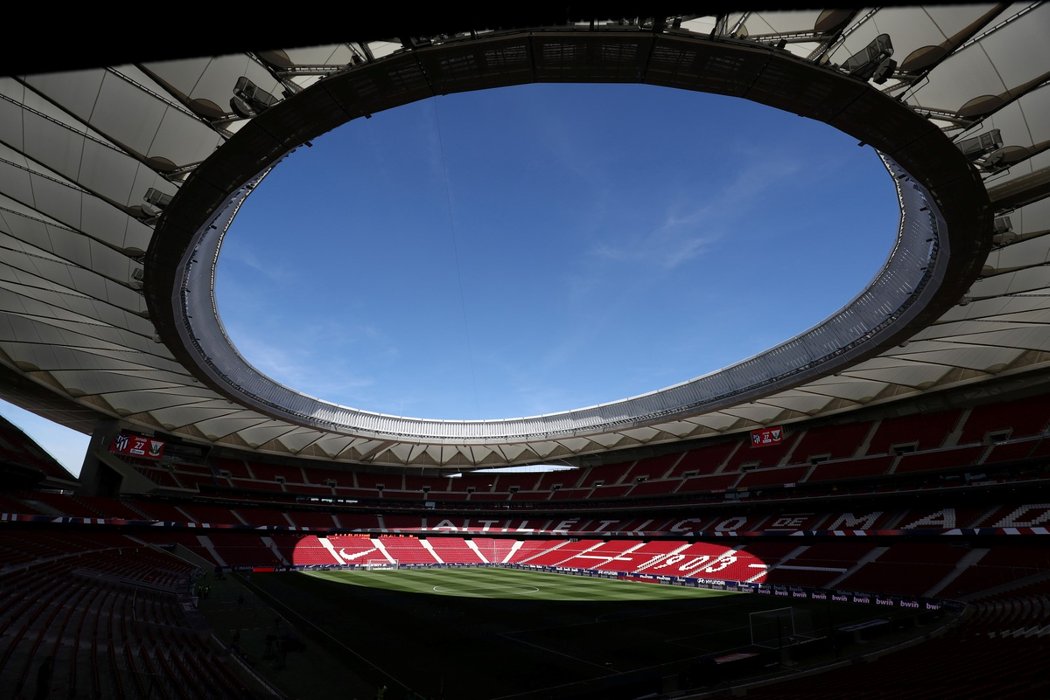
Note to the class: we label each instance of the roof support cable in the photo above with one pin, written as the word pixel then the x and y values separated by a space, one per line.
pixel 367 51
pixel 290 86
pixel 920 62
pixel 215 117
pixel 64 224
pixel 828 40
pixel 1009 20
pixel 719 30
pixel 62 125
pixel 845 35
pixel 739 24
pixel 455 250
pixel 60 179
pixel 151 92
pixel 161 166
pixel 909 89
pixel 51 258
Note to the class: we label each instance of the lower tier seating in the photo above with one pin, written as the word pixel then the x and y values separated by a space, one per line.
pixel 101 616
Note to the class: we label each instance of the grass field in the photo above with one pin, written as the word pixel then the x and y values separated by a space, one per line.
pixel 513 584
pixel 496 633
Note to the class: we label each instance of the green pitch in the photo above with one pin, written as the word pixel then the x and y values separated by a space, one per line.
pixel 512 584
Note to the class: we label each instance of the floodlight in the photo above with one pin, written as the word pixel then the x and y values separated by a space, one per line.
pixel 1003 231
pixel 980 146
pixel 153 202
pixel 873 61
pixel 156 198
pixel 249 99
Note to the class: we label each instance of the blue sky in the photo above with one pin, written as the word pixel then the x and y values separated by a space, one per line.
pixel 543 247
pixel 65 445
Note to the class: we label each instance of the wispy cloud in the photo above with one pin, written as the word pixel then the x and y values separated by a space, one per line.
pixel 272 270
pixel 676 241
pixel 528 388
pixel 625 265
pixel 636 245
pixel 437 159
pixel 688 230
pixel 320 363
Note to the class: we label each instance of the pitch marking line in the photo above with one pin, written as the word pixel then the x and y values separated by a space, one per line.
pixel 523 590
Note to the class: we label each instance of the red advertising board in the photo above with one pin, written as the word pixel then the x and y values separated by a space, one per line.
pixel 133 445
pixel 767 436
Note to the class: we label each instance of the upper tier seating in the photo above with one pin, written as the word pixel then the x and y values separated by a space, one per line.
pixel 901 445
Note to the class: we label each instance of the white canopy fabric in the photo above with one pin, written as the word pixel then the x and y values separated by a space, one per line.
pixel 85 155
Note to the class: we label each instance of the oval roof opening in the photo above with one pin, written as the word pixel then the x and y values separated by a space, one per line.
pixel 533 249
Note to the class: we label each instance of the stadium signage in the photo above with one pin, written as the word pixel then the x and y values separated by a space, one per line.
pixel 788 522
pixel 661 561
pixel 686 525
pixel 1026 516
pixel 133 445
pixel 767 436
pixel 833 523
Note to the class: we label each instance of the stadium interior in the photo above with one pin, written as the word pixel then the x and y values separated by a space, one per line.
pixel 872 496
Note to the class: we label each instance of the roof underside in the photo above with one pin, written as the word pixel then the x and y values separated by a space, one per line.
pixel 79 152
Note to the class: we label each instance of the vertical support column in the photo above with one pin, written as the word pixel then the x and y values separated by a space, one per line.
pixel 95 477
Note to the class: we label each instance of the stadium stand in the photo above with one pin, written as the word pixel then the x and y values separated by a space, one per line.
pixel 406 550
pixel 106 611
pixel 953 664
pixel 935 489
pixel 822 457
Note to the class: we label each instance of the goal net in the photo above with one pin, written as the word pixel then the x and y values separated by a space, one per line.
pixel 779 628
pixel 381 565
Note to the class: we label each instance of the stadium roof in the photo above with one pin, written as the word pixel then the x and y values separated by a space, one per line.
pixel 117 183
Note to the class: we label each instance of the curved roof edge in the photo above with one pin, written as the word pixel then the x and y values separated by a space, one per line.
pixel 944 206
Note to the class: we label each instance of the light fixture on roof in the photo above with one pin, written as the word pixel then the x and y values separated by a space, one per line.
pixel 415 42
pixel 156 198
pixel 138 274
pixel 153 203
pixel 982 145
pixel 873 62
pixel 1003 231
pixel 1004 158
pixel 249 99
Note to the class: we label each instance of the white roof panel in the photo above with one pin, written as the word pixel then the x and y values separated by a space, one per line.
pixel 67 304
